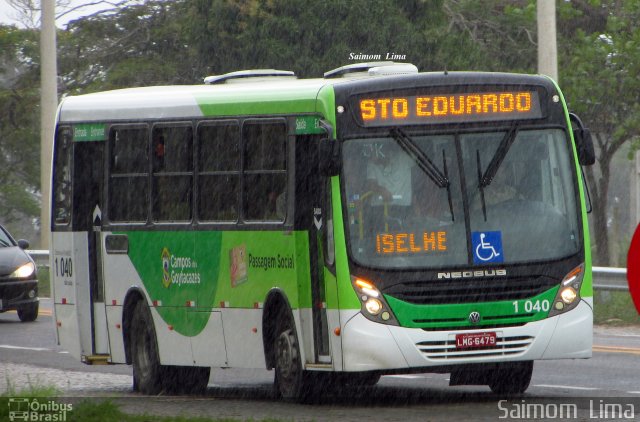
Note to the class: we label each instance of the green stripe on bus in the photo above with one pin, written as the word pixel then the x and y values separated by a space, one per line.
pixel 202 271
pixel 457 314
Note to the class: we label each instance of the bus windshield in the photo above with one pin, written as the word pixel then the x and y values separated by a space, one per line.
pixel 490 198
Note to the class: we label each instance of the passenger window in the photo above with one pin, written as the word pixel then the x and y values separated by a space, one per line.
pixel 129 150
pixel 265 174
pixel 218 171
pixel 172 152
pixel 129 171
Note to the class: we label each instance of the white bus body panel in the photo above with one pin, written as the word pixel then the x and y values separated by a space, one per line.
pixel 370 346
pixel 71 296
pixel 243 334
pixel 173 348
pixel 100 328
pixel 116 339
pixel 209 346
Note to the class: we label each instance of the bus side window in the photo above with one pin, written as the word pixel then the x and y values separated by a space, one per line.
pixel 62 177
pixel 128 174
pixel 218 171
pixel 172 158
pixel 329 244
pixel 265 171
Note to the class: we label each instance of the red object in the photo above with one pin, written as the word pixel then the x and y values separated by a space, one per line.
pixel 476 340
pixel 633 268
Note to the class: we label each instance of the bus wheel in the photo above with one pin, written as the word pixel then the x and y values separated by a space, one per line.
pixel 289 376
pixel 512 378
pixel 147 371
pixel 29 312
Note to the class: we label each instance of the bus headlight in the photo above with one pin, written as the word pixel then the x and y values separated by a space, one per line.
pixel 568 295
pixel 374 306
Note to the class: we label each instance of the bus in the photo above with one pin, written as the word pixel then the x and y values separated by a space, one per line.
pixel 373 221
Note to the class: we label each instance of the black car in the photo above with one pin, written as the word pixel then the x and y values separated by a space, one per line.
pixel 18 278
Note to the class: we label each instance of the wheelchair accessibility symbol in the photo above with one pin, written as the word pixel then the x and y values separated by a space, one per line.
pixel 487 247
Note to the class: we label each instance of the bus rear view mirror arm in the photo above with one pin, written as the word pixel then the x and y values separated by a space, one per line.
pixel 329 157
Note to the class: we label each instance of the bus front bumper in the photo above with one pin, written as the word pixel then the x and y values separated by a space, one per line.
pixel 369 346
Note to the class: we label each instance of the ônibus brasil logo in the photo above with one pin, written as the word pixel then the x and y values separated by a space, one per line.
pixel 34 409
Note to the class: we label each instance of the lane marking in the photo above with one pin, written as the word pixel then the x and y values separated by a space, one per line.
pixel 37 349
pixel 568 387
pixel 616 349
pixel 409 377
pixel 617 335
pixel 46 312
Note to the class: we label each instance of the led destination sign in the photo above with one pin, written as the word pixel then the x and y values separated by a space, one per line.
pixel 449 108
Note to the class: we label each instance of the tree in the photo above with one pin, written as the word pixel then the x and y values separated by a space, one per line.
pixel 600 74
pixel 226 35
pixel 19 130
pixel 139 45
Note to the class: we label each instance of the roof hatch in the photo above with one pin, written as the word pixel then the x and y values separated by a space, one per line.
pixel 246 76
pixel 372 69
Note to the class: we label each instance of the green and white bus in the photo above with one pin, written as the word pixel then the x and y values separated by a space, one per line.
pixel 373 221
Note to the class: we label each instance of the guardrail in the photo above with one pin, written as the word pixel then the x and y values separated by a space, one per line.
pixel 604 278
pixel 610 278
pixel 40 256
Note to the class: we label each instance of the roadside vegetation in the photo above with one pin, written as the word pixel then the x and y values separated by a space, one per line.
pixel 614 308
pixel 89 411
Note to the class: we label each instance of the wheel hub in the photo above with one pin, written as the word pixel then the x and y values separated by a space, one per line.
pixel 287 354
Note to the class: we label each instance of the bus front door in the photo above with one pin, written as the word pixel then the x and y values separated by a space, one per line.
pixel 87 217
pixel 312 208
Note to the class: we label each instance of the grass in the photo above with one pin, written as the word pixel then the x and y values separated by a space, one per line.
pixel 44 285
pixel 614 308
pixel 85 410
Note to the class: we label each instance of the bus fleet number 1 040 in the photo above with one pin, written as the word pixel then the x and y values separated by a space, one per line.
pixel 531 306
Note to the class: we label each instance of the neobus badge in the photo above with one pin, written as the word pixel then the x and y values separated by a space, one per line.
pixel 449 108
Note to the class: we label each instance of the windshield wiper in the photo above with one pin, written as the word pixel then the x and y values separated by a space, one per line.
pixel 485 179
pixel 498 157
pixel 424 163
pixel 421 159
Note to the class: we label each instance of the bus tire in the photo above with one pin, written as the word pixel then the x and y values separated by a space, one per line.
pixel 28 312
pixel 291 382
pixel 147 371
pixel 511 378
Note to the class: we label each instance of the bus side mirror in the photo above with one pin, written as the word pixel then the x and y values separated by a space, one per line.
pixel 584 142
pixel 329 157
pixel 586 153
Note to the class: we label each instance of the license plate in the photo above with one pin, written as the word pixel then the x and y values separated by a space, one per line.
pixel 476 340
